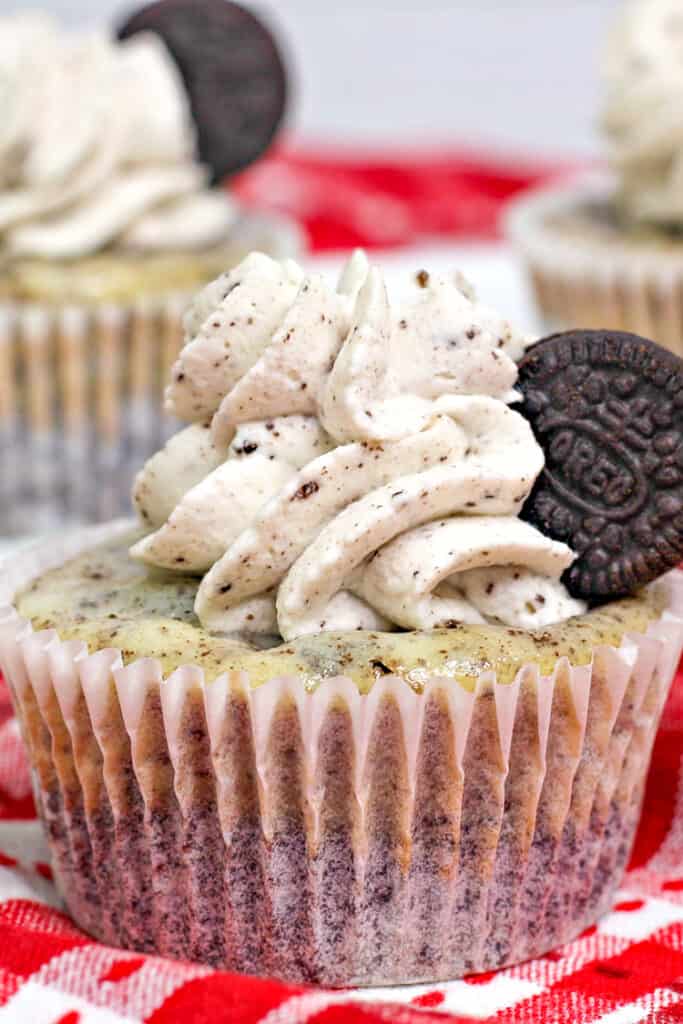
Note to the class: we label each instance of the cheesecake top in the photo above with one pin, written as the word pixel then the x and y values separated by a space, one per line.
pixel 106 599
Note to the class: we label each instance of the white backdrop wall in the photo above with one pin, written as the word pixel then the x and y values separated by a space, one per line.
pixel 518 75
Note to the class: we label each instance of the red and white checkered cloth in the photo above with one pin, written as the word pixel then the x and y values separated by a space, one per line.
pixel 629 968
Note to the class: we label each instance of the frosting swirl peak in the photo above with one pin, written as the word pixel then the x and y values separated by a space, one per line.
pixel 357 466
pixel 643 111
pixel 97 145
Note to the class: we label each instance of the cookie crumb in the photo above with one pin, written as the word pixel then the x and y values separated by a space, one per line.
pixel 306 490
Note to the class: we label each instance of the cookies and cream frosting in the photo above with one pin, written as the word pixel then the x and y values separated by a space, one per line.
pixel 97 146
pixel 349 464
pixel 643 110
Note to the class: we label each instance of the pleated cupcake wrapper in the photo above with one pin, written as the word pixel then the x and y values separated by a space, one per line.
pixel 582 283
pixel 81 394
pixel 328 836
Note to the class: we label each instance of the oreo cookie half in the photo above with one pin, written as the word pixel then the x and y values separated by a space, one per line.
pixel 233 73
pixel 607 409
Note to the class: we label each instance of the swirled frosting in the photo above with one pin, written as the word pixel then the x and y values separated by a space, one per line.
pixel 349 464
pixel 643 111
pixel 97 146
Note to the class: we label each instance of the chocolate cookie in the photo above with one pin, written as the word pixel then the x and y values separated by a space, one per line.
pixel 607 409
pixel 233 72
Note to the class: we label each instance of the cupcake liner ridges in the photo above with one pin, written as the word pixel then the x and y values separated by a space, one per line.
pixel 327 836
pixel 583 282
pixel 81 393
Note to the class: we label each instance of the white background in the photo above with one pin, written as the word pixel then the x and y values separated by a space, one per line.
pixel 519 75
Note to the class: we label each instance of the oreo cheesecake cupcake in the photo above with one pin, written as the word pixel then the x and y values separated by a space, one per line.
pixel 368 693
pixel 607 251
pixel 109 222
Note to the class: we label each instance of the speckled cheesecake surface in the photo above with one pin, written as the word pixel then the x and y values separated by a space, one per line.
pixel 106 599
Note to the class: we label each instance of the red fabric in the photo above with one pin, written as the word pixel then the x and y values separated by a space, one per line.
pixel 378 201
pixel 632 962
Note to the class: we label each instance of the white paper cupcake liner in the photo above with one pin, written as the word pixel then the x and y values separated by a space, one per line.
pixel 80 406
pixel 327 836
pixel 586 282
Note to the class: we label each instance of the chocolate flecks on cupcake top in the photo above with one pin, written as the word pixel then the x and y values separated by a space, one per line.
pixel 398 507
pixel 607 408
pixel 401 432
pixel 233 72
pixel 149 613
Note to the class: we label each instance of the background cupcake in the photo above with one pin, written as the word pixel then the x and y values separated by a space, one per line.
pixel 108 221
pixel 607 252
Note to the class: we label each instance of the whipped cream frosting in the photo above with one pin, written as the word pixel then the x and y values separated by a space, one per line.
pixel 349 463
pixel 643 110
pixel 98 146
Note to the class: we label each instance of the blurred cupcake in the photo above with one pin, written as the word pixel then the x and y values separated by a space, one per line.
pixel 108 222
pixel 608 251
pixel 338 709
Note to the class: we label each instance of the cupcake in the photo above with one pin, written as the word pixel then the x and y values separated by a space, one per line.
pixel 606 251
pixel 109 222
pixel 358 699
